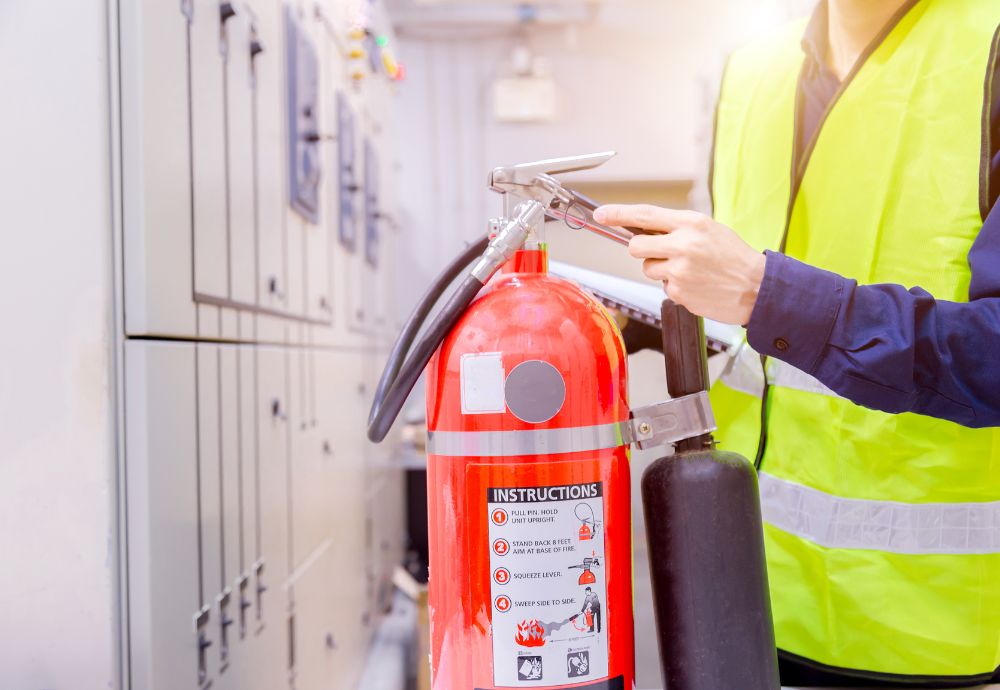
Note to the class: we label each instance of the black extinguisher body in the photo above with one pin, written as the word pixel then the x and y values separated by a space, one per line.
pixel 706 547
pixel 706 556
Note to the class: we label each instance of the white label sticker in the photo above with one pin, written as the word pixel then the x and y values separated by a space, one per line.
pixel 482 383
pixel 547 585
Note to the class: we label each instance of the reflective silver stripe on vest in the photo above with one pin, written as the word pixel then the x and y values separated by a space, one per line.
pixel 533 442
pixel 852 523
pixel 743 373
pixel 785 375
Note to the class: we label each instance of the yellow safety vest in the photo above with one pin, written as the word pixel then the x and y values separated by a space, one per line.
pixel 882 531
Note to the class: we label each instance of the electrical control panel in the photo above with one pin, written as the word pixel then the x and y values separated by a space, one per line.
pixel 253 278
pixel 302 80
pixel 347 173
pixel 372 214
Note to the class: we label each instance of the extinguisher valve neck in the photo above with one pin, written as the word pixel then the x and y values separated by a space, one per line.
pixel 528 215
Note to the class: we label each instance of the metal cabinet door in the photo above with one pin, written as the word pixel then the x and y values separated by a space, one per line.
pixel 351 276
pixel 342 404
pixel 387 239
pixel 314 472
pixel 388 505
pixel 295 236
pixel 269 167
pixel 252 653
pixel 229 414
pixel 319 237
pixel 383 479
pixel 315 658
pixel 156 172
pixel 239 41
pixel 210 499
pixel 319 305
pixel 249 486
pixel 208 149
pixel 270 573
pixel 273 443
pixel 161 496
pixel 304 169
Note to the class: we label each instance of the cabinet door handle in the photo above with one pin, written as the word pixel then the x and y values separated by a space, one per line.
pixel 226 11
pixel 276 410
pixel 274 287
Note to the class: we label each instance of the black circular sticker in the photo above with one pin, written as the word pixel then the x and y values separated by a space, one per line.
pixel 535 391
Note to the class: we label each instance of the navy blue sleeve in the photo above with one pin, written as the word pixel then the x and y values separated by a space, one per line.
pixel 886 347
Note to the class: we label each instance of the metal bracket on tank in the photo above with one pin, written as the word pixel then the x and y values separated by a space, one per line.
pixel 671 421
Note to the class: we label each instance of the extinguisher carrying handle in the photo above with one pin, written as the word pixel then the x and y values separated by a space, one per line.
pixel 684 351
pixel 686 360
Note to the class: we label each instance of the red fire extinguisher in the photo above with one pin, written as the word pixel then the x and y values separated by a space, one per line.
pixel 528 477
pixel 526 413
pixel 525 399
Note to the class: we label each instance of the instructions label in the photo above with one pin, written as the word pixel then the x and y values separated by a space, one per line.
pixel 547 584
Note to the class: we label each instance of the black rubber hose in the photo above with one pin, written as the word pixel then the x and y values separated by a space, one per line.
pixel 400 376
pixel 419 315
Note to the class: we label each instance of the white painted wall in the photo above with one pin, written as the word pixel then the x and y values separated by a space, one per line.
pixel 57 461
pixel 640 79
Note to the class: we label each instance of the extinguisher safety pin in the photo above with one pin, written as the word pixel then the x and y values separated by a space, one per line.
pixel 671 421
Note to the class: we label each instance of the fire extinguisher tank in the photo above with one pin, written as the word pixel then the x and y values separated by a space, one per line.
pixel 528 475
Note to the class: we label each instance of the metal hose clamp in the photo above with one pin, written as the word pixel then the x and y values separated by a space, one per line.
pixel 527 216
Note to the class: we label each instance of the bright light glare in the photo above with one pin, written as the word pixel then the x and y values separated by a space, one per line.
pixel 761 17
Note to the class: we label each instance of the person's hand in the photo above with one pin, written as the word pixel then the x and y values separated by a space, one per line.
pixel 704 265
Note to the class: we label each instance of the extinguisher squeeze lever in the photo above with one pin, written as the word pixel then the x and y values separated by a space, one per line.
pixel 536 181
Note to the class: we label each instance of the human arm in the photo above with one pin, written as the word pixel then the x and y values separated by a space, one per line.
pixel 881 346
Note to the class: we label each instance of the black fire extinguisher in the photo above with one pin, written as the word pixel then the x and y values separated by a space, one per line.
pixel 706 545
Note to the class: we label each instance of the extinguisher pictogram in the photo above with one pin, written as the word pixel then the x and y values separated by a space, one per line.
pixel 587 577
pixel 588 523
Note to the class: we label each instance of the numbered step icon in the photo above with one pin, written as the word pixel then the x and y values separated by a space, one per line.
pixel 501 547
pixel 501 576
pixel 499 517
pixel 502 603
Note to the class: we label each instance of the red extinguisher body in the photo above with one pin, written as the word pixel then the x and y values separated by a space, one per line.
pixel 528 475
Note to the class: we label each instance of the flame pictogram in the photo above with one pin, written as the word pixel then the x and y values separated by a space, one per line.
pixel 530 633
